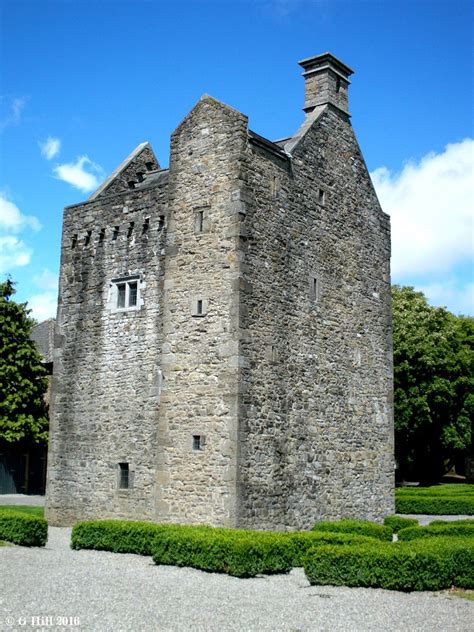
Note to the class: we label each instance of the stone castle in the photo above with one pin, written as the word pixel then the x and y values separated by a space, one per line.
pixel 223 341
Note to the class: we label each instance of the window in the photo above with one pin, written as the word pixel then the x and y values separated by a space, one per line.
pixel 87 238
pixel 116 233
pixel 161 222
pixel 125 294
pixel 140 176
pixel 197 442
pixel 131 184
pixel 314 289
pixel 199 307
pixel 149 166
pixel 74 241
pixel 321 197
pixel 146 225
pixel 130 229
pixel 338 84
pixel 124 476
pixel 199 222
pixel 101 235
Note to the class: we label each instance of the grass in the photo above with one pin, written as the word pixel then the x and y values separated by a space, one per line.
pixel 27 509
pixel 463 594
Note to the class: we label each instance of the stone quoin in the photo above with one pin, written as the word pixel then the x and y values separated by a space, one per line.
pixel 223 340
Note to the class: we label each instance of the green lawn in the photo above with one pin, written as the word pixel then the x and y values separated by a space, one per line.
pixel 28 509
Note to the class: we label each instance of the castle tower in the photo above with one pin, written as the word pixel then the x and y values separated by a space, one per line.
pixel 223 343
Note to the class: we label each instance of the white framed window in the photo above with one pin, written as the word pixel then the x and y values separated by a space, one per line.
pixel 125 294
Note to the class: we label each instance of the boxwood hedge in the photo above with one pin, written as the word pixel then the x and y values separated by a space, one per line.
pixel 23 529
pixel 434 505
pixel 449 529
pixel 359 527
pixel 123 536
pixel 447 489
pixel 396 523
pixel 237 551
pixel 428 564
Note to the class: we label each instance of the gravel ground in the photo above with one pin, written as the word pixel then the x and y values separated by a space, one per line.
pixel 113 592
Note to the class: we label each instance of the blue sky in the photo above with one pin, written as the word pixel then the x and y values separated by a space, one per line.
pixel 83 82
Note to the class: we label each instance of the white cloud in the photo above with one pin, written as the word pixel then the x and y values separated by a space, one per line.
pixel 459 298
pixel 430 204
pixel 50 147
pixel 12 219
pixel 43 305
pixel 82 174
pixel 11 111
pixel 47 280
pixel 13 253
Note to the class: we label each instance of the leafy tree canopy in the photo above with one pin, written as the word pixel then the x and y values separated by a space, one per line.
pixel 23 414
pixel 434 385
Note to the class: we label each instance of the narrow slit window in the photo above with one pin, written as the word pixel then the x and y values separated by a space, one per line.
pixel 101 235
pixel 121 292
pixel 116 233
pixel 196 442
pixel 199 307
pixel 74 241
pixel 87 238
pixel 130 229
pixel 338 84
pixel 146 225
pixel 124 476
pixel 321 197
pixel 199 221
pixel 314 289
pixel 161 222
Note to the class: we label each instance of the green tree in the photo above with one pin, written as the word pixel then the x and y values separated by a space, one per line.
pixel 23 414
pixel 433 353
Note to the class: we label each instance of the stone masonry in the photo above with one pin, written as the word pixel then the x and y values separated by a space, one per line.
pixel 223 340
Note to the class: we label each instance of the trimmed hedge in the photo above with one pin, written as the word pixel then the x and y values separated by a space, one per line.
pixel 431 564
pixel 23 529
pixel 244 553
pixel 238 552
pixel 457 553
pixel 123 536
pixel 433 505
pixel 396 523
pixel 436 530
pixel 241 556
pixel 447 489
pixel 357 527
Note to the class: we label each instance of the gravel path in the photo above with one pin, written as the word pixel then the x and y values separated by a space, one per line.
pixel 113 592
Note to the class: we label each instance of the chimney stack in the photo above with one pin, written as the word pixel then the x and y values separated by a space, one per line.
pixel 326 81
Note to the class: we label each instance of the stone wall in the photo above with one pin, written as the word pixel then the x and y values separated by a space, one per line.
pixel 106 367
pixel 317 406
pixel 200 353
